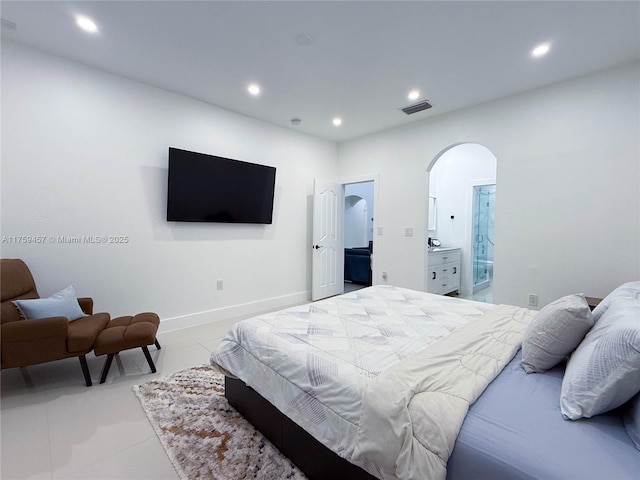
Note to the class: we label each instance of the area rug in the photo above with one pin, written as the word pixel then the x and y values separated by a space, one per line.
pixel 204 437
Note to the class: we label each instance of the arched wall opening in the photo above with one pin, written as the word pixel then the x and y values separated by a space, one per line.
pixel 461 214
pixel 355 221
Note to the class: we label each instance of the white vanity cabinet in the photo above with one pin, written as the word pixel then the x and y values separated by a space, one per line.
pixel 443 270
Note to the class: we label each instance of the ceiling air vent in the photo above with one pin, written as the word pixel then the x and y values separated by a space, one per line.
pixel 417 107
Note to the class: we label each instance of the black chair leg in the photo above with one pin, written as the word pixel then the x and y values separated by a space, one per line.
pixel 149 359
pixel 85 370
pixel 107 366
pixel 158 344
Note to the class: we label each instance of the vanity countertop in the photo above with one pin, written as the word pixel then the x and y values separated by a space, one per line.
pixel 441 249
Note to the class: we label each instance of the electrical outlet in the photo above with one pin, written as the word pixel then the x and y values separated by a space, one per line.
pixel 408 232
pixel 220 284
pixel 384 276
pixel 379 230
pixel 533 299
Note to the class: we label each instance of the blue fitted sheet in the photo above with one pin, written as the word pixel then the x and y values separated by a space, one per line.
pixel 515 431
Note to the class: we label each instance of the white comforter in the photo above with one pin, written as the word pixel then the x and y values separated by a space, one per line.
pixel 412 413
pixel 333 367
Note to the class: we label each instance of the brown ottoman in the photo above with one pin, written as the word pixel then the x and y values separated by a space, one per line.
pixel 123 333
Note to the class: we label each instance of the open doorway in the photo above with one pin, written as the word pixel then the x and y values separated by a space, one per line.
pixel 483 223
pixel 358 235
pixel 459 177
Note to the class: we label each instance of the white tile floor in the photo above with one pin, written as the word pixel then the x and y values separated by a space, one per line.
pixel 485 295
pixel 53 426
pixel 352 287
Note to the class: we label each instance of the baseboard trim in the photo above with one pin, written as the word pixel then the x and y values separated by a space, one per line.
pixel 233 311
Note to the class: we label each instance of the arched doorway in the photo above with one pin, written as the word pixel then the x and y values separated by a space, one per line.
pixel 462 190
pixel 355 221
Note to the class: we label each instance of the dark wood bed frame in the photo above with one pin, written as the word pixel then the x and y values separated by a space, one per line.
pixel 313 458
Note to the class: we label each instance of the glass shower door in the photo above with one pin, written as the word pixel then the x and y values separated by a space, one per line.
pixel 483 225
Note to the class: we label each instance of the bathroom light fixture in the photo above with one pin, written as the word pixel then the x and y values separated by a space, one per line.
pixel 414 95
pixel 541 50
pixel 337 121
pixel 254 89
pixel 86 24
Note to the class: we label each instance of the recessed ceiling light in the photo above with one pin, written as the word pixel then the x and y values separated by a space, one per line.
pixel 541 50
pixel 254 89
pixel 414 94
pixel 86 24
pixel 337 121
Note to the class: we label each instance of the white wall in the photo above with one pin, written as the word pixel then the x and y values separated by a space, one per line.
pixel 365 191
pixel 355 221
pixel 568 175
pixel 450 181
pixel 85 153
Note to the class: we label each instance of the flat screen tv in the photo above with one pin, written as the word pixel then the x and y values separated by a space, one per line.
pixel 207 188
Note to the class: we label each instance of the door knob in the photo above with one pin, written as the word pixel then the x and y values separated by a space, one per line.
pixel 316 247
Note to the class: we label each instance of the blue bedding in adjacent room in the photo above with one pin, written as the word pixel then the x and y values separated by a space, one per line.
pixel 515 431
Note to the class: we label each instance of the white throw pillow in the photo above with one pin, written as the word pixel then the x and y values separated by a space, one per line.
pixel 629 289
pixel 604 371
pixel 555 332
pixel 61 304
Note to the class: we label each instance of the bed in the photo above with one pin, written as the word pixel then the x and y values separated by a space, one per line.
pixel 387 382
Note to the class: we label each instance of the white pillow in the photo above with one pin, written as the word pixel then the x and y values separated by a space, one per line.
pixel 61 304
pixel 629 289
pixel 604 371
pixel 555 332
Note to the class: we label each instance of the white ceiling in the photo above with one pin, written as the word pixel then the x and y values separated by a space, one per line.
pixel 364 58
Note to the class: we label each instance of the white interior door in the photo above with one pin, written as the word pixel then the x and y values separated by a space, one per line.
pixel 328 243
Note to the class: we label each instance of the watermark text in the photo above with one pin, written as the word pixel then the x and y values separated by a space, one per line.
pixel 65 239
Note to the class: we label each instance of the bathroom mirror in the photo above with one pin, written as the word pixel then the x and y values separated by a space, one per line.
pixel 431 225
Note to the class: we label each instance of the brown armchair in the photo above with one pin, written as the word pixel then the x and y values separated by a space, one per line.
pixel 29 342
